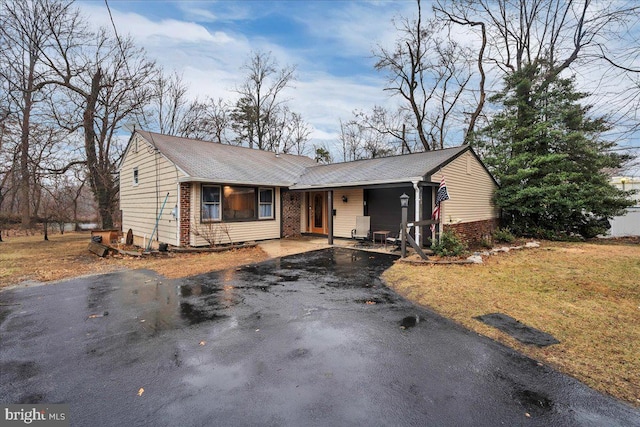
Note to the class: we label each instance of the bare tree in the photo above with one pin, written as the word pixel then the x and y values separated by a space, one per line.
pixel 209 120
pixel 8 153
pixel 25 36
pixel 428 72
pixel 172 112
pixel 260 99
pixel 169 103
pixel 482 94
pixel 391 125
pixel 61 197
pixel 452 73
pixel 548 35
pixel 363 142
pixel 106 81
pixel 289 133
pixel 351 140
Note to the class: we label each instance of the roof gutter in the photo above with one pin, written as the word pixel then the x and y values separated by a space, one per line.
pixel 230 181
pixel 355 184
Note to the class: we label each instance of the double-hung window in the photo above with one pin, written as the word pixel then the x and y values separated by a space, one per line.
pixel 210 203
pixel 265 196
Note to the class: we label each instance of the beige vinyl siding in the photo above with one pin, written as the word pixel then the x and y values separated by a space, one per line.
pixel 141 203
pixel 238 231
pixel 346 213
pixel 470 189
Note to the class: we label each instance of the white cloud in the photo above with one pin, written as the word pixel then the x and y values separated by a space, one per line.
pixel 356 27
pixel 211 59
pixel 144 30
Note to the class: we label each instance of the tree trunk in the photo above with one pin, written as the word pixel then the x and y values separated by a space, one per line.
pixel 99 173
pixel 25 177
pixel 483 77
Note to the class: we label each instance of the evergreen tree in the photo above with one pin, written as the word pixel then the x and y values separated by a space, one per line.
pixel 550 159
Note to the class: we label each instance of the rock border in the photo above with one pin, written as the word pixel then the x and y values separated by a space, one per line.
pixel 476 258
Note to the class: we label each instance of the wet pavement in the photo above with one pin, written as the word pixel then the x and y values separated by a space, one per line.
pixel 308 339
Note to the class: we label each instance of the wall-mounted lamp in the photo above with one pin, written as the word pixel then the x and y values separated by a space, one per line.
pixel 344 199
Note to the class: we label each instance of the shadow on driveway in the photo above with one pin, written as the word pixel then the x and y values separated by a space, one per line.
pixel 309 339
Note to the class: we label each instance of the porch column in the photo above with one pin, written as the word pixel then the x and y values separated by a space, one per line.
pixel 418 211
pixel 330 214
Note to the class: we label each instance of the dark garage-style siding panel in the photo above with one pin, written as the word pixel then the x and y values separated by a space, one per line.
pixel 383 206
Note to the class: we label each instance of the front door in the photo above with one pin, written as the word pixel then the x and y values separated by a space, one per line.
pixel 317 213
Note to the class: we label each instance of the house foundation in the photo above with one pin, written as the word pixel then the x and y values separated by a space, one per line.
pixel 473 232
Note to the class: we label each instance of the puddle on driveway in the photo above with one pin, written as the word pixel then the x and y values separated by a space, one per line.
pixel 409 322
pixel 209 297
pixel 535 403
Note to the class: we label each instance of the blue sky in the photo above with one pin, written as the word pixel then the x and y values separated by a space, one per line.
pixel 330 42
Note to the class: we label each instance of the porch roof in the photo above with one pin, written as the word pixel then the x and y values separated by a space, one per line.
pixel 383 170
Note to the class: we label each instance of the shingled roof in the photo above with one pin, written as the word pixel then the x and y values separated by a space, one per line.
pixel 382 170
pixel 213 162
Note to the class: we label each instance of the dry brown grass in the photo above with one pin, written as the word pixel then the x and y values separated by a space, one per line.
pixel 586 295
pixel 64 256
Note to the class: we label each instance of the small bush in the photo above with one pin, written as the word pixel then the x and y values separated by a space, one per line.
pixel 486 242
pixel 450 245
pixel 503 235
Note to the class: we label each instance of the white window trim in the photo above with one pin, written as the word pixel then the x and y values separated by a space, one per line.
pixel 273 202
pixel 136 176
pixel 202 204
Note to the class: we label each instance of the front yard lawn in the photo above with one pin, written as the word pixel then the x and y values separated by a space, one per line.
pixel 65 256
pixel 586 295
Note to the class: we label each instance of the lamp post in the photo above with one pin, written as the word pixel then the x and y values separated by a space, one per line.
pixel 404 204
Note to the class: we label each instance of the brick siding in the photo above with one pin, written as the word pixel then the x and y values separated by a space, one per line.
pixel 474 232
pixel 291 212
pixel 185 214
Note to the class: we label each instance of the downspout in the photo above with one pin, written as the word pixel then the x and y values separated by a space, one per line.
pixel 418 211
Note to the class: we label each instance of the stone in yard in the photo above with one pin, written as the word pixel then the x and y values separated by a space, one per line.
pixel 476 259
pixel 532 245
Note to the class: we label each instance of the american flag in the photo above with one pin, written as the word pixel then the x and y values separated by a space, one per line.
pixel 442 195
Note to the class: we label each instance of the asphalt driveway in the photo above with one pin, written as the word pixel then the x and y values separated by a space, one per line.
pixel 304 340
